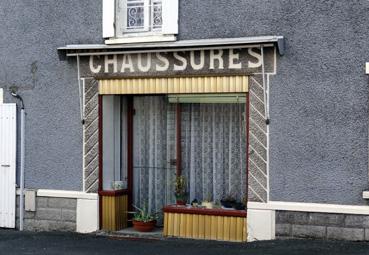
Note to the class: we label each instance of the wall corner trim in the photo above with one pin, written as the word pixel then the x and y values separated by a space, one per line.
pixel 366 193
pixel 367 70
pixel 310 207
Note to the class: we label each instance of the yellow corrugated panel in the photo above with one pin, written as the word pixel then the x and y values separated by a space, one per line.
pixel 220 222
pixel 213 227
pixel 205 227
pixel 189 220
pixel 182 225
pixel 226 229
pixel 165 230
pixel 195 226
pixel 170 224
pixel 233 229
pixel 244 232
pixel 201 227
pixel 176 222
pixel 114 212
pixel 174 85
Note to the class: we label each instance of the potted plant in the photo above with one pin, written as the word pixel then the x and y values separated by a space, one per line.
pixel 143 220
pixel 180 190
pixel 228 201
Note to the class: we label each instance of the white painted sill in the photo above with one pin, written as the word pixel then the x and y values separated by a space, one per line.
pixel 141 39
pixel 366 194
pixel 63 194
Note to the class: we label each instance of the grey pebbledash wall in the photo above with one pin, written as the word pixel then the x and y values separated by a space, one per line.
pixel 31 33
pixel 318 99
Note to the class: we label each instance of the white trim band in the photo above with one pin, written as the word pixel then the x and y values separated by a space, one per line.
pixel 310 207
pixel 66 194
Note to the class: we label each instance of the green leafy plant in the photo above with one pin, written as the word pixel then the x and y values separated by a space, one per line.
pixel 229 197
pixel 180 188
pixel 144 215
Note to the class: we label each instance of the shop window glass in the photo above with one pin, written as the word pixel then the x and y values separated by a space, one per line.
pixel 213 143
pixel 114 143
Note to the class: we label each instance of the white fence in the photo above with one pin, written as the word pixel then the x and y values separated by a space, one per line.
pixel 8 131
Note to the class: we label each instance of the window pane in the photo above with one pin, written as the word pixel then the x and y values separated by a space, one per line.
pixel 157 20
pixel 135 14
pixel 214 150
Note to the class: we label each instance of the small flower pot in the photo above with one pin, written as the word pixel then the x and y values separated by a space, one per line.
pixel 239 206
pixel 142 226
pixel 227 203
pixel 180 202
pixel 208 205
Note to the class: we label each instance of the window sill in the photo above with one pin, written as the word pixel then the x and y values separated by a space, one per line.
pixel 366 194
pixel 141 39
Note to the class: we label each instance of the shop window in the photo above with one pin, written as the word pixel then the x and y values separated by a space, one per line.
pixel 128 21
pixel 213 142
pixel 212 146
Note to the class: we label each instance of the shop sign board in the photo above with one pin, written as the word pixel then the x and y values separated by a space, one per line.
pixel 180 63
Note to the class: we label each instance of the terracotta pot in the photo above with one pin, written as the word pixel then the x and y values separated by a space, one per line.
pixel 144 226
pixel 180 202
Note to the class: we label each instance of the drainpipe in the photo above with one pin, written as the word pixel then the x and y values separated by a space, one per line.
pixel 21 179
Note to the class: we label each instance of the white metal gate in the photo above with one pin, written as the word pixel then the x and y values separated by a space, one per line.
pixel 8 131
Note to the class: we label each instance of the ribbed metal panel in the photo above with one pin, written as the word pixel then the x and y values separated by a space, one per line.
pixel 175 85
pixel 7 164
pixel 114 212
pixel 207 227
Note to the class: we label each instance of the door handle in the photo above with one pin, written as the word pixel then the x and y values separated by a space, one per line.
pixel 5 165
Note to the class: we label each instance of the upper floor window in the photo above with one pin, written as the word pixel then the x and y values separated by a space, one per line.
pixel 126 21
pixel 141 15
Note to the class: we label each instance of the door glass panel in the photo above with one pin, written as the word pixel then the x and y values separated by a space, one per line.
pixel 153 152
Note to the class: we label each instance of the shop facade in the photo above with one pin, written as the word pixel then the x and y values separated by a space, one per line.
pixel 262 112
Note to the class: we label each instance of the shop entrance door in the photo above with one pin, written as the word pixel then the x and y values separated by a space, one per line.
pixel 154 152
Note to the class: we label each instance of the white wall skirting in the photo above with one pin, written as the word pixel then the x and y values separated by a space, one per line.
pixel 260 225
pixel 66 194
pixel 87 207
pixel 310 207
pixel 87 215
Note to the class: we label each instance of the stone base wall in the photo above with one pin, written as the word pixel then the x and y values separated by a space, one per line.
pixel 322 226
pixel 51 214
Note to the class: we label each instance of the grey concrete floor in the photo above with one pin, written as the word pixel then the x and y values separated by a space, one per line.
pixel 14 242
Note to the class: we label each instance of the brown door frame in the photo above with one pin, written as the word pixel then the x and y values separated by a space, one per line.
pixel 130 113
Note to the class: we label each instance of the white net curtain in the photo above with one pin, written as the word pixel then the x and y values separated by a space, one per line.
pixel 214 150
pixel 213 143
pixel 154 147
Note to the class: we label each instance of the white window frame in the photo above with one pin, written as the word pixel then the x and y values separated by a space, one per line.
pixel 115 35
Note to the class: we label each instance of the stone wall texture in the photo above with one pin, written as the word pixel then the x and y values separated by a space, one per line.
pixel 322 226
pixel 52 214
pixel 91 136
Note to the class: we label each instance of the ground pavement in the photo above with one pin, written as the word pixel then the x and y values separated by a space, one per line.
pixel 15 242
